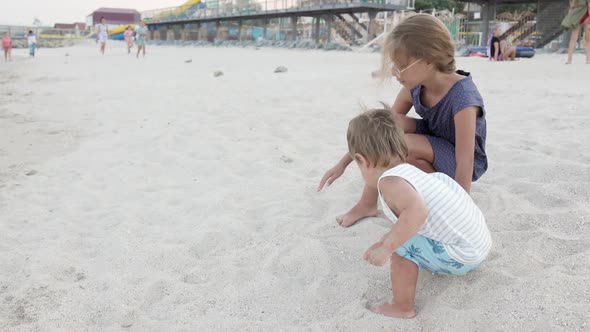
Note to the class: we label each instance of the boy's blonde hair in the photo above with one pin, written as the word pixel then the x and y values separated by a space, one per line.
pixel 420 36
pixel 375 135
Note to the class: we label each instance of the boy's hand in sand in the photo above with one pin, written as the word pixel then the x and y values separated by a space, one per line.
pixel 377 254
pixel 331 175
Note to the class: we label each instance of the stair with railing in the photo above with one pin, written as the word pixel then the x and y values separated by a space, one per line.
pixel 524 19
pixel 521 36
pixel 348 30
pixel 540 29
pixel 550 13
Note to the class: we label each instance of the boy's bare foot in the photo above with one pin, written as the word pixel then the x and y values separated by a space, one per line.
pixel 393 310
pixel 355 214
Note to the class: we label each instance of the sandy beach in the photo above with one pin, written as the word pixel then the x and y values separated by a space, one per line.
pixel 149 195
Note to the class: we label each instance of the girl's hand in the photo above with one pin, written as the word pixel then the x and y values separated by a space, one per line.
pixel 331 175
pixel 377 254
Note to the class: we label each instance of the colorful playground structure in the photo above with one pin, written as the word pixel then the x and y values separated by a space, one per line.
pixel 118 33
pixel 185 10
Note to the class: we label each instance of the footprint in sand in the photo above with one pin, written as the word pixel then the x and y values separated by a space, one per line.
pixel 73 275
pixel 209 245
pixel 128 319
pixel 156 292
pixel 536 195
pixel 551 249
pixel 195 278
pixel 291 266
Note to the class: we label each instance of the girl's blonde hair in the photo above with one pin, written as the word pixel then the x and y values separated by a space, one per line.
pixel 420 36
pixel 375 135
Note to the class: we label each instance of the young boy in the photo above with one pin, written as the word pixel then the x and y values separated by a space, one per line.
pixel 436 225
pixel 32 42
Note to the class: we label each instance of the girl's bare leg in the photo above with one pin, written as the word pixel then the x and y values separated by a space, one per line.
pixel 587 39
pixel 420 153
pixel 572 45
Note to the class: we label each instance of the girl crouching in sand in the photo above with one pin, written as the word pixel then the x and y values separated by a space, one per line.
pixel 450 137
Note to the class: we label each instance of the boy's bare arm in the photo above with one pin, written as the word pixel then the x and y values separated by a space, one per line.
pixel 411 209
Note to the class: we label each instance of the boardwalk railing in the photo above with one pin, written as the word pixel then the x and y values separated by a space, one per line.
pixel 231 8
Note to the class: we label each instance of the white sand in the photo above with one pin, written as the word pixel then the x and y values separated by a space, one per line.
pixel 166 199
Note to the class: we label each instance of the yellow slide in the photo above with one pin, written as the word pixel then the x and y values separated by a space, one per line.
pixel 120 29
pixel 118 33
pixel 178 10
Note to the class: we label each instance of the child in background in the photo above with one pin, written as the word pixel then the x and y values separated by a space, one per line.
pixel 103 34
pixel 129 39
pixel 32 42
pixel 7 46
pixel 141 37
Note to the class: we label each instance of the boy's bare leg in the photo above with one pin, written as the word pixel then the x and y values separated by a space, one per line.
pixel 366 207
pixel 404 277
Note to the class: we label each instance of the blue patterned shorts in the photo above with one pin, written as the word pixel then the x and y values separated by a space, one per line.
pixel 431 255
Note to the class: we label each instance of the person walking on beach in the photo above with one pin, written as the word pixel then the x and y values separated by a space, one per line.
pixel 7 46
pixel 103 34
pixel 436 225
pixel 450 137
pixel 578 17
pixel 129 38
pixel 32 42
pixel 141 37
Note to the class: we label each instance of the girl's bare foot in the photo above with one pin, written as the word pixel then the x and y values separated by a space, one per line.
pixel 358 212
pixel 393 310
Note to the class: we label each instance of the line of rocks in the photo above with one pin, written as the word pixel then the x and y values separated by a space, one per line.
pixel 254 44
pixel 43 43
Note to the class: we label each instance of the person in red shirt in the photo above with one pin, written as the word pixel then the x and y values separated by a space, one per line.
pixel 7 46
